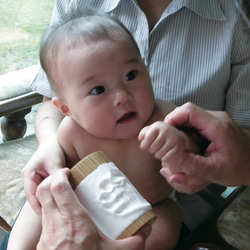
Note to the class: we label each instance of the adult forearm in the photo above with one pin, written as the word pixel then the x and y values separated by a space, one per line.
pixel 48 157
pixel 47 120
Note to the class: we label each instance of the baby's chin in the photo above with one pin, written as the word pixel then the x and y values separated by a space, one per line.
pixel 127 134
pixel 118 132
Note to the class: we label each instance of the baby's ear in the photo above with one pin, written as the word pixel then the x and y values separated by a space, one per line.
pixel 60 105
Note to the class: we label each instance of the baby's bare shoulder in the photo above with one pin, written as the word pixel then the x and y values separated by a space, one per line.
pixel 165 107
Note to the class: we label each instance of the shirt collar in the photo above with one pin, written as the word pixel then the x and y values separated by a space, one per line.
pixel 209 9
pixel 108 5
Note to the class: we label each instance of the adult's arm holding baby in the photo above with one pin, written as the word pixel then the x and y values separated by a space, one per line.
pixel 49 155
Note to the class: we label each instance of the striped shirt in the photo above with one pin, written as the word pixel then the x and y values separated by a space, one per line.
pixel 199 51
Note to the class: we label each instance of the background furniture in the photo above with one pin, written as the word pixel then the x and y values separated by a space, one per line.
pixel 16 101
pixel 214 233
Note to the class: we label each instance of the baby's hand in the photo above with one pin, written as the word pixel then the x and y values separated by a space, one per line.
pixel 165 142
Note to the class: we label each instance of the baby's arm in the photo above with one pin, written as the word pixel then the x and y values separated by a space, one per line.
pixel 166 143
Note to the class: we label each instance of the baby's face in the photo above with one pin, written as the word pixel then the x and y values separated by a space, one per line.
pixel 107 88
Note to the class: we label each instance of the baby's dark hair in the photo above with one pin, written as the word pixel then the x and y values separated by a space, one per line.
pixel 79 28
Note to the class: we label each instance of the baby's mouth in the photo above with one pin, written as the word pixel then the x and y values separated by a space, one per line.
pixel 127 117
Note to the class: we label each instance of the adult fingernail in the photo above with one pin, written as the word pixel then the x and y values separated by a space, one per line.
pixel 147 230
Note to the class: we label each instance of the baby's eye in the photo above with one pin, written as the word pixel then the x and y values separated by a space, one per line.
pixel 131 75
pixel 97 90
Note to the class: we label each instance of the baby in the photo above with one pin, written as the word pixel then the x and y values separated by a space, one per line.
pixel 104 90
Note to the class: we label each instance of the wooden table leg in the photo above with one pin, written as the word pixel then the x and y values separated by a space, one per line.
pixel 4 225
pixel 14 126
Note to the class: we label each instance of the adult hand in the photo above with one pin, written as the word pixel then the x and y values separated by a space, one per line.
pixel 66 224
pixel 225 160
pixel 47 158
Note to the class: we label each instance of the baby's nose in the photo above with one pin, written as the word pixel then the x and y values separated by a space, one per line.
pixel 122 97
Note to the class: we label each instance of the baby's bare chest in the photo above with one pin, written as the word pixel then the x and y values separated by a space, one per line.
pixel 140 167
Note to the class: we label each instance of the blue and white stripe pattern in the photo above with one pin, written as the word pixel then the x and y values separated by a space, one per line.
pixel 199 51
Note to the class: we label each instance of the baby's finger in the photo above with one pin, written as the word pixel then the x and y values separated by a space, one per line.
pixel 142 133
pixel 149 137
